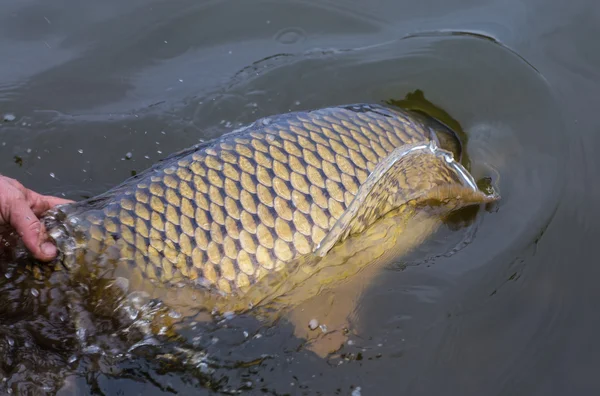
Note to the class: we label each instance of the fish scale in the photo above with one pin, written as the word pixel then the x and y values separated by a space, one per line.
pixel 227 212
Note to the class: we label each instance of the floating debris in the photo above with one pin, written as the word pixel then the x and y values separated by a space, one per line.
pixel 9 117
pixel 313 324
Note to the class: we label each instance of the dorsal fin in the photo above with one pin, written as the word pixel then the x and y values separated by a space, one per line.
pixel 415 175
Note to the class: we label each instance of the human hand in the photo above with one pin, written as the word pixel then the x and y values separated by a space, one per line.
pixel 20 208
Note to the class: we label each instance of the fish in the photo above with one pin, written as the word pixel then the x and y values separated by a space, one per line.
pixel 228 216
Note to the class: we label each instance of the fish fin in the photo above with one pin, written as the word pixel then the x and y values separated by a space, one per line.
pixel 413 176
pixel 334 288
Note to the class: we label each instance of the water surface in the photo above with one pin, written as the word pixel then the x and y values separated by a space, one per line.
pixel 94 92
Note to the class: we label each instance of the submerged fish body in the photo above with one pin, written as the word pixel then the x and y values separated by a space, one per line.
pixel 225 213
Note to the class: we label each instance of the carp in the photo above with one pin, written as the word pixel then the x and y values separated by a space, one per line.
pixel 227 216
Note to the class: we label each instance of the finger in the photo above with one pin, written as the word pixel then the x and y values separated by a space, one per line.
pixel 54 201
pixel 41 203
pixel 38 202
pixel 13 182
pixel 27 225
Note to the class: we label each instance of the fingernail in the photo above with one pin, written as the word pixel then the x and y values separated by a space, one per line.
pixel 49 249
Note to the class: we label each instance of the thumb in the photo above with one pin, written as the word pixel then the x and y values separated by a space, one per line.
pixel 31 230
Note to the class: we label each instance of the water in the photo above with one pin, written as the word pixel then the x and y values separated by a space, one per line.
pixel 91 93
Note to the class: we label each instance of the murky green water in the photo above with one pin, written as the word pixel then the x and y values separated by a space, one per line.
pixel 93 92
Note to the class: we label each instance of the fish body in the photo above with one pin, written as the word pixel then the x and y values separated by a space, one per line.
pixel 225 213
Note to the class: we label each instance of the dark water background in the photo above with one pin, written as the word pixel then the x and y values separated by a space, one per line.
pixel 91 91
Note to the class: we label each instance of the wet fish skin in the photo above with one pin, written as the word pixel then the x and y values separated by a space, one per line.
pixel 226 212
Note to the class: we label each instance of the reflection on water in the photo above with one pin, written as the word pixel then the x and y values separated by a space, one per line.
pixel 392 321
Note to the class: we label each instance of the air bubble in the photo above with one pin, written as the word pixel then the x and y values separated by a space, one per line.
pixel 81 334
pixel 131 312
pixel 92 350
pixel 290 36
pixel 121 283
pixel 174 315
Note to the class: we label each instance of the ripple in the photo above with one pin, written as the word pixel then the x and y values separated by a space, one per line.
pixel 514 134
